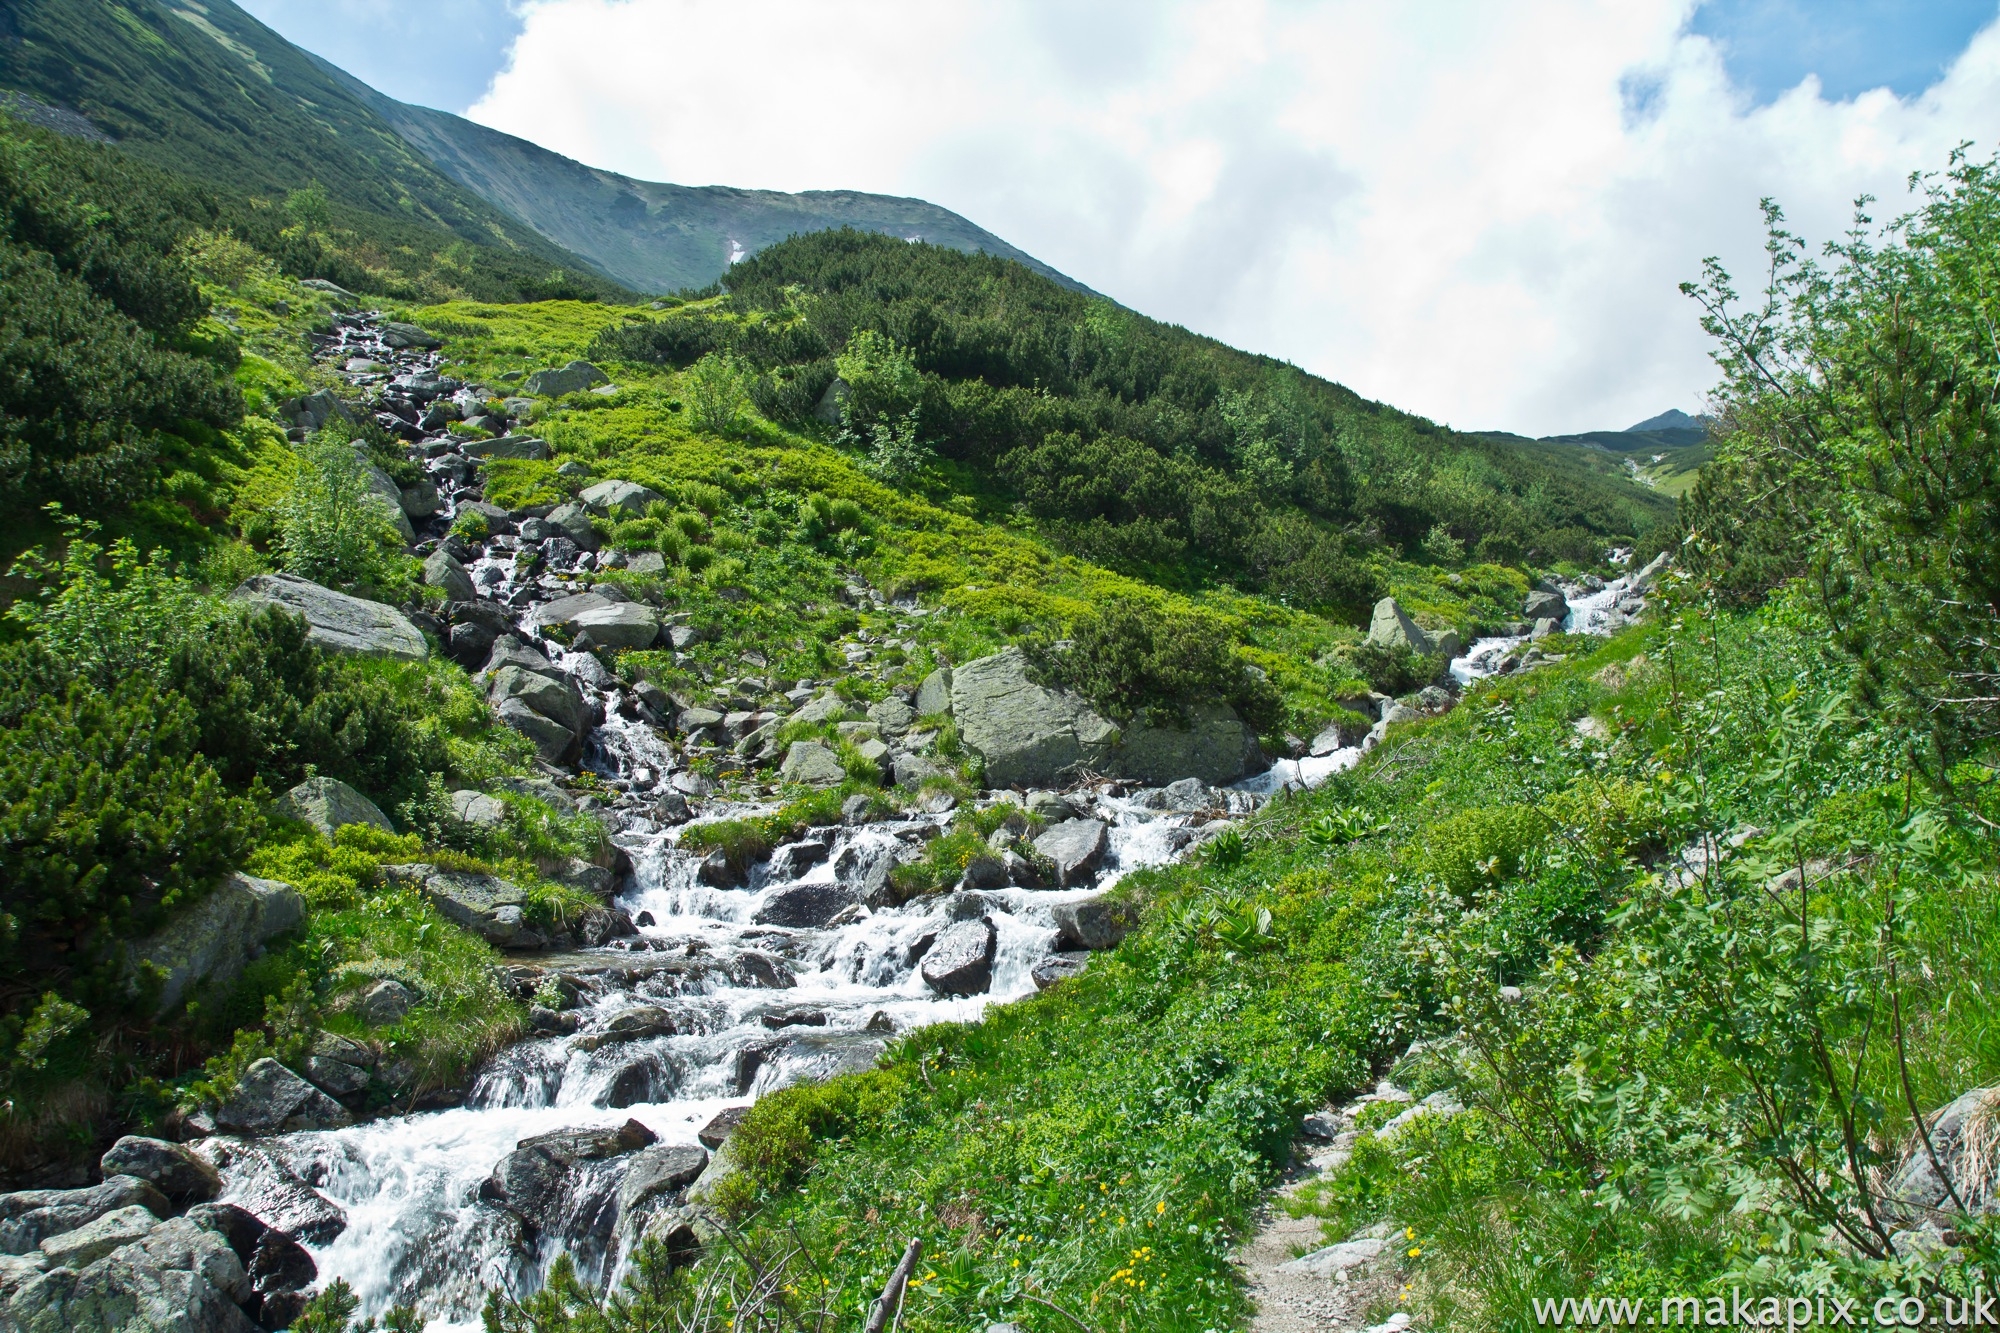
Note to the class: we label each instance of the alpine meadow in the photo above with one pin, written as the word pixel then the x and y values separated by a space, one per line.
pixel 882 788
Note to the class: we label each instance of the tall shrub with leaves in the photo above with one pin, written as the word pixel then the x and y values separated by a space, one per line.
pixel 1860 447
pixel 1133 658
pixel 332 528
pixel 716 393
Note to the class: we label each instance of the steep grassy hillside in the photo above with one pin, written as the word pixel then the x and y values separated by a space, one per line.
pixel 654 237
pixel 1687 943
pixel 1130 443
pixel 302 165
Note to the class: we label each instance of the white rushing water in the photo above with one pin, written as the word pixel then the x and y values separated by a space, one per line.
pixel 736 1003
pixel 417 1229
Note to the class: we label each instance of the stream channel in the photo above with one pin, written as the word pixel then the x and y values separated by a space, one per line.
pixel 727 1002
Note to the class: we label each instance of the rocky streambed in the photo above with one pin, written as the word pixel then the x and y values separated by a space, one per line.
pixel 702 981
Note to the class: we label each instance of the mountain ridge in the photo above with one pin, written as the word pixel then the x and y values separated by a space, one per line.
pixel 652 235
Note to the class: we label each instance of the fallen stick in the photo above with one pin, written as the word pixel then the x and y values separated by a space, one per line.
pixel 892 1294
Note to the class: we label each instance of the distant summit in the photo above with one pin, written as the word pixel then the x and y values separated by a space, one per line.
pixel 1671 419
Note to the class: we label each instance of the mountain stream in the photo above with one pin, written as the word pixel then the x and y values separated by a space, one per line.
pixel 728 1007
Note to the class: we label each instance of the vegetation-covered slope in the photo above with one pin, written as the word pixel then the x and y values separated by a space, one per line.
pixel 302 165
pixel 1698 927
pixel 1132 443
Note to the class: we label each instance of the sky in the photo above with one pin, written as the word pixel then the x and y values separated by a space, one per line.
pixel 1477 212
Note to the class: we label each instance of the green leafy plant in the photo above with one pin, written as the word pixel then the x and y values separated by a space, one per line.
pixel 332 528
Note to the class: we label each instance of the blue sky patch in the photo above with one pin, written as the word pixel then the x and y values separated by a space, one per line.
pixel 435 53
pixel 1768 46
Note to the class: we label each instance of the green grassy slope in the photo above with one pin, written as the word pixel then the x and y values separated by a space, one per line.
pixel 1089 1158
pixel 202 89
pixel 1132 443
pixel 650 236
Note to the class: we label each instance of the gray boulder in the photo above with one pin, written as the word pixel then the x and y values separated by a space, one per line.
pixel 556 700
pixel 619 499
pixel 1094 923
pixel 512 650
pixel 336 1078
pixel 328 804
pixel 383 1001
pixel 1050 807
pixel 1392 627
pixel 215 937
pixel 574 520
pixel 388 498
pixel 1545 604
pixel 1959 1133
pixel 721 1127
pixel 98 1237
pixel 419 500
pixel 892 715
pixel 337 622
pixel 531 1181
pixel 441 571
pixel 934 695
pixel 271 1099
pixel 1333 737
pixel 813 764
pixel 489 907
pixel 313 410
pixel 563 611
pixel 1643 581
pixel 804 906
pixel 508 446
pixel 572 378
pixel 1077 848
pixel 270 1192
pixel 832 405
pixel 620 625
pixel 1058 967
pixel 914 770
pixel 478 809
pixel 828 707
pixel 1214 746
pixel 696 719
pixel 1029 735
pixel 138 1287
pixel 657 1174
pixel 636 1024
pixel 176 1172
pixel 863 868
pixel 400 336
pixel 961 961
pixel 28 1216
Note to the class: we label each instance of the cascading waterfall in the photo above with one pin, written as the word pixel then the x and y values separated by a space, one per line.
pixel 706 1007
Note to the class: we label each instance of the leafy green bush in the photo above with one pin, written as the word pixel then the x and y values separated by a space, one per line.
pixel 716 393
pixel 92 307
pixel 1134 658
pixel 1847 414
pixel 85 392
pixel 272 704
pixel 333 529
pixel 1394 669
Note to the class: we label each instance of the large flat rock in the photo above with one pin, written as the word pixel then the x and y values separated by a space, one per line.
pixel 1029 735
pixel 337 622
pixel 215 937
pixel 1034 736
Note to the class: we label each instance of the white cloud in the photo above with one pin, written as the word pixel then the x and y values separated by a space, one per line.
pixel 1473 211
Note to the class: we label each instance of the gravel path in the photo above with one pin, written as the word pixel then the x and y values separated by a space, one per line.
pixel 1334 1289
